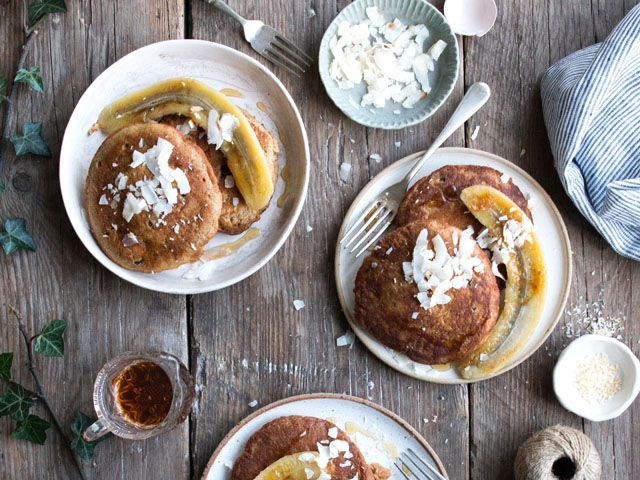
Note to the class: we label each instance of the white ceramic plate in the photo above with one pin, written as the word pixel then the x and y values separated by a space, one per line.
pixel 263 95
pixel 391 431
pixel 549 227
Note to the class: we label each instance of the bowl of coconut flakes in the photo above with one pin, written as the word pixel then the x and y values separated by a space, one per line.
pixel 389 63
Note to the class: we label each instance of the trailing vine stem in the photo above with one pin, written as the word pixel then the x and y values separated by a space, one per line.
pixel 28 42
pixel 39 390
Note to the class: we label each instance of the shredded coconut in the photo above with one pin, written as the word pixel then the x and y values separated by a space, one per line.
pixel 597 378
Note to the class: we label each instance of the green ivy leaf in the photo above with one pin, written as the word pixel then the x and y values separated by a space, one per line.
pixel 79 445
pixel 31 77
pixel 32 429
pixel 15 402
pixel 39 8
pixel 3 89
pixel 6 359
pixel 30 141
pixel 14 236
pixel 50 342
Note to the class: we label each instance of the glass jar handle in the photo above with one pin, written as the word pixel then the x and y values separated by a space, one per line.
pixel 95 431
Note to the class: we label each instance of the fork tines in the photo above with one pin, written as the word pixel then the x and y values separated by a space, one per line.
pixel 372 223
pixel 412 467
pixel 284 53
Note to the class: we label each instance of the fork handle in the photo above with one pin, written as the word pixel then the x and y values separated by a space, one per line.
pixel 474 99
pixel 226 9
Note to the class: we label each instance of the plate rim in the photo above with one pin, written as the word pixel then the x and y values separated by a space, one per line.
pixel 323 50
pixel 333 396
pixel 564 234
pixel 289 224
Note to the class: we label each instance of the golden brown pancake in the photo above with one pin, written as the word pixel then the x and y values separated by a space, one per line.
pixel 296 434
pixel 233 219
pixel 180 235
pixel 385 302
pixel 437 196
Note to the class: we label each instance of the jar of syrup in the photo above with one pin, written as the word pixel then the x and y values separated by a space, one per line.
pixel 139 395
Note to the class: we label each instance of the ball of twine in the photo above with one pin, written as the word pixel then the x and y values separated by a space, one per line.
pixel 558 453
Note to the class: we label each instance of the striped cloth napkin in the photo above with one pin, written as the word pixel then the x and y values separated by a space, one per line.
pixel 591 105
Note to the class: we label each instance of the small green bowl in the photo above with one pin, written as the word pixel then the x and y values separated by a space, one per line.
pixel 444 77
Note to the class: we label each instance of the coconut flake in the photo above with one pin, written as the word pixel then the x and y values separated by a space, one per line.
pixel 298 304
pixel 129 240
pixel 345 170
pixel 133 206
pixel 348 339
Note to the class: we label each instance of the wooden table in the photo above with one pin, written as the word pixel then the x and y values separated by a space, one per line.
pixel 478 427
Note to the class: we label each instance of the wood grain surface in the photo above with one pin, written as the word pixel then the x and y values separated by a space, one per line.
pixel 247 342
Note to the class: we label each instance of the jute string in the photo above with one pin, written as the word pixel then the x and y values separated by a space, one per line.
pixel 557 453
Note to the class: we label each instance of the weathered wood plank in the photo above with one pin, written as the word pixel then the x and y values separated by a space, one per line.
pixel 61 280
pixel 273 338
pixel 527 38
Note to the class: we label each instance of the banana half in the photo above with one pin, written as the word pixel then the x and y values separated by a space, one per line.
pixel 192 99
pixel 299 466
pixel 525 282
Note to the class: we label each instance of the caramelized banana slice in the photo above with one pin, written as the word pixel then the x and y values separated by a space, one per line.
pixel 193 99
pixel 518 246
pixel 299 466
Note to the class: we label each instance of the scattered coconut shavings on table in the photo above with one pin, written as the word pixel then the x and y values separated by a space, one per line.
pixel 348 339
pixel 589 318
pixel 345 170
pixel 253 403
pixel 375 157
pixel 476 130
pixel 298 305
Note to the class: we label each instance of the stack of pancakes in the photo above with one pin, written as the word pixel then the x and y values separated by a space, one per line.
pixel 385 301
pixel 147 242
pixel 297 434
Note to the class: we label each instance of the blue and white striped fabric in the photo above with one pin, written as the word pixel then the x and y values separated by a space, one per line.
pixel 591 105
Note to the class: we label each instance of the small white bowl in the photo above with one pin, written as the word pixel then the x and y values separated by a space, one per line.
pixel 471 17
pixel 619 353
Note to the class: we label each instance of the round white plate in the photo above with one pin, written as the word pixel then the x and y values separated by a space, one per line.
pixel 263 95
pixel 549 227
pixel 390 432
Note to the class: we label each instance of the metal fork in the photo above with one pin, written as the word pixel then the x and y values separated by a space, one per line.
pixel 412 467
pixel 268 42
pixel 377 217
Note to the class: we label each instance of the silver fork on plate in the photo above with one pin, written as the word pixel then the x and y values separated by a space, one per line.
pixel 377 217
pixel 268 42
pixel 412 467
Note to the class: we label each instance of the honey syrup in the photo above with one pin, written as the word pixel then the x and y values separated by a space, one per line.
pixel 143 394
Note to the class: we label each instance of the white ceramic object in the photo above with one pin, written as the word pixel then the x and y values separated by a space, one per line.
pixel 393 433
pixel 618 352
pixel 220 67
pixel 471 17
pixel 549 227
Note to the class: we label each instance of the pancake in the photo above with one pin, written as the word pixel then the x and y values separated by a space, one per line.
pixel 295 434
pixel 234 219
pixel 158 243
pixel 437 196
pixel 385 302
